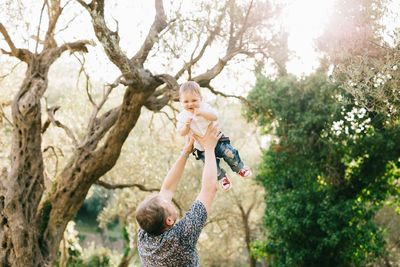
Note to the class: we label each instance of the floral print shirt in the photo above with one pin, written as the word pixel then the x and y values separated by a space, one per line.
pixel 177 245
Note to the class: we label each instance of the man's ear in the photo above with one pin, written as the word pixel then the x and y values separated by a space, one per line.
pixel 169 221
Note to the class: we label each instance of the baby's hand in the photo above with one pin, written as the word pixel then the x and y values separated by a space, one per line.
pixel 198 112
pixel 188 121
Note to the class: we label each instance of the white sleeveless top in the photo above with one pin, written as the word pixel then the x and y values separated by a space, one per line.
pixel 198 125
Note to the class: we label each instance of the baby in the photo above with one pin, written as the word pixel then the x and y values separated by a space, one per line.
pixel 194 119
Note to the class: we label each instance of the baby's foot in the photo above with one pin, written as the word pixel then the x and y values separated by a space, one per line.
pixel 244 172
pixel 225 183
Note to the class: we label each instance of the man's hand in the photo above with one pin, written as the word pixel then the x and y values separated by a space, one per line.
pixel 210 139
pixel 188 148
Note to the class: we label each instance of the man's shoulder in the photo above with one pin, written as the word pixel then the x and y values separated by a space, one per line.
pixel 177 245
pixel 198 206
pixel 166 239
pixel 197 214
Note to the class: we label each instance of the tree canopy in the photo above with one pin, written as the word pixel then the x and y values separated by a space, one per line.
pixel 332 167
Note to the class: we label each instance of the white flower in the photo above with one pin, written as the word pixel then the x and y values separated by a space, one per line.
pixel 71 236
pixel 337 125
pixel 350 116
pixel 361 113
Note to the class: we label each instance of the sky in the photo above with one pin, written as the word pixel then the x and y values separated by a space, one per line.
pixel 303 19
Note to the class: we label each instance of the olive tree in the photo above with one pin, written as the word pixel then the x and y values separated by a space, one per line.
pixel 33 217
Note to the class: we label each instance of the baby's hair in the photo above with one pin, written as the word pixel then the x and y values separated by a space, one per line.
pixel 190 86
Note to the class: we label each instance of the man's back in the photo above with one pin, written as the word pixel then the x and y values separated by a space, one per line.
pixel 177 245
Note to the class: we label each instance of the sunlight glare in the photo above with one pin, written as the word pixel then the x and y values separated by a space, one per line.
pixel 305 20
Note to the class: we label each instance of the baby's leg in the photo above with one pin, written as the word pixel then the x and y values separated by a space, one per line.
pixel 220 171
pixel 230 155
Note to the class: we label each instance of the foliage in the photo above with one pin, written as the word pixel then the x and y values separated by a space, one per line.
pixel 365 53
pixel 388 217
pixel 326 176
pixel 366 66
pixel 354 27
pixel 127 241
pixel 374 81
pixel 221 18
pixel 99 260
pixel 95 202
pixel 70 250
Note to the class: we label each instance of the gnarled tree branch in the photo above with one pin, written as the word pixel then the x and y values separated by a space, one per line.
pixel 193 60
pixel 78 46
pixel 70 134
pixel 162 96
pixel 22 54
pixel 158 25
pixel 109 39
pixel 54 12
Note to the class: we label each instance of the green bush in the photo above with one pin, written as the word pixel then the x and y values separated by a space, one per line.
pixel 326 175
pixel 98 260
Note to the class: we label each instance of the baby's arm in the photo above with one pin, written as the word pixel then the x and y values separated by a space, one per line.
pixel 207 114
pixel 185 128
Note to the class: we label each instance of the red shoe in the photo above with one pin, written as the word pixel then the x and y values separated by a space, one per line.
pixel 225 183
pixel 244 172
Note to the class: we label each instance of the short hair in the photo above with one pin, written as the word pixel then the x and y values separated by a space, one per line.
pixel 190 86
pixel 151 215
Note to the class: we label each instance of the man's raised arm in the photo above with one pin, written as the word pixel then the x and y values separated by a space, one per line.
pixel 209 178
pixel 174 175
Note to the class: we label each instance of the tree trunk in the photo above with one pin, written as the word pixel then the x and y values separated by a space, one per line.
pixel 246 226
pixel 20 234
pixel 23 219
pixel 247 232
pixel 30 236
pixel 86 168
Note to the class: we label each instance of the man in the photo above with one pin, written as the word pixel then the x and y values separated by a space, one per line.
pixel 161 241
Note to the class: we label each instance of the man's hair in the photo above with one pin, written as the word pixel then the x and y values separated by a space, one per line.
pixel 151 215
pixel 190 86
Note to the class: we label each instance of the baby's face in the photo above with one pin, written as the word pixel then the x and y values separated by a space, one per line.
pixel 190 101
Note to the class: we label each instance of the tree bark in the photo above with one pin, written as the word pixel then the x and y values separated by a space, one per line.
pixel 19 238
pixel 21 192
pixel 22 221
